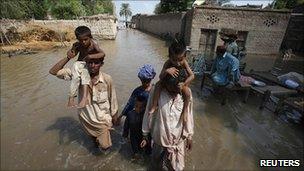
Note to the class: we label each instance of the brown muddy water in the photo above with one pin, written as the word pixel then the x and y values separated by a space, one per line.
pixel 38 132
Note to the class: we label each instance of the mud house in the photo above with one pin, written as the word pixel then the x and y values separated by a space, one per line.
pixel 261 31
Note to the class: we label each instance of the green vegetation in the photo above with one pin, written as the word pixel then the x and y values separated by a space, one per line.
pixel 15 9
pixel 93 7
pixel 174 6
pixel 166 6
pixel 66 9
pixel 125 11
pixel 60 9
pixel 287 4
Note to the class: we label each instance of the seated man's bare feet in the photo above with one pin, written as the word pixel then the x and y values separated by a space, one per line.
pixel 71 102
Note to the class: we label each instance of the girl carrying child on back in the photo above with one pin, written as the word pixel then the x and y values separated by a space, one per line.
pixel 176 66
pixel 85 47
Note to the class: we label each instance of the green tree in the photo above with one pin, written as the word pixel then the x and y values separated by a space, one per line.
pixel 23 9
pixel 93 7
pixel 13 9
pixel 286 4
pixel 66 9
pixel 174 6
pixel 60 9
pixel 157 9
pixel 166 6
pixel 125 11
pixel 37 9
pixel 108 6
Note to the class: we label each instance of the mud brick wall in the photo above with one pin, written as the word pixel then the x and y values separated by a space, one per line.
pixel 161 24
pixel 104 27
pixel 266 28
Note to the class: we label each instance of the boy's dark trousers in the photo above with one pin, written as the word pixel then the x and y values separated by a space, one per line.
pixel 136 138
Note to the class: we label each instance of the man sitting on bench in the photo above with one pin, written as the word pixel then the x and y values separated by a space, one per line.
pixel 225 70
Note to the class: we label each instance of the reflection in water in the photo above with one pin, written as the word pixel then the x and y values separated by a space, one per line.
pixel 39 132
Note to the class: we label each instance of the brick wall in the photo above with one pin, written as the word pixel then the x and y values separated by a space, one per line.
pixel 160 24
pixel 266 28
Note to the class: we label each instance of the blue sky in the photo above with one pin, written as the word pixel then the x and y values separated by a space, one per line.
pixel 147 6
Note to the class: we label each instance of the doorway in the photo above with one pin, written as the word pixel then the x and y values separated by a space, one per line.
pixel 207 42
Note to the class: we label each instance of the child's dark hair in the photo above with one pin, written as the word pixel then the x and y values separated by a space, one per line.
pixel 176 48
pixel 140 98
pixel 83 31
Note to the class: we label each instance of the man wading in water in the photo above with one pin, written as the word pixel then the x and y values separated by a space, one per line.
pixel 169 134
pixel 96 117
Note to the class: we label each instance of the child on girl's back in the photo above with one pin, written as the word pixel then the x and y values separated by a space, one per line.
pixel 85 47
pixel 177 66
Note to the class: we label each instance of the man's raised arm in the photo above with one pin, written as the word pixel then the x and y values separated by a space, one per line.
pixel 58 66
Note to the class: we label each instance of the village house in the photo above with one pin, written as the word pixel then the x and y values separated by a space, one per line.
pixel 261 31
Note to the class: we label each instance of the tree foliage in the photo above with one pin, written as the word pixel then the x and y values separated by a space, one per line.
pixel 174 6
pixel 125 11
pixel 287 4
pixel 66 9
pixel 157 9
pixel 93 7
pixel 23 9
pixel 60 9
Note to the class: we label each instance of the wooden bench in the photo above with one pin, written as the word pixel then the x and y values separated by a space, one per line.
pixel 273 90
pixel 241 86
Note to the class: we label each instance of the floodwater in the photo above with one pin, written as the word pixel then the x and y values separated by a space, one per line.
pixel 39 132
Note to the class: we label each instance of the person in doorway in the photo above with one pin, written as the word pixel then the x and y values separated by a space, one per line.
pixel 231 45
